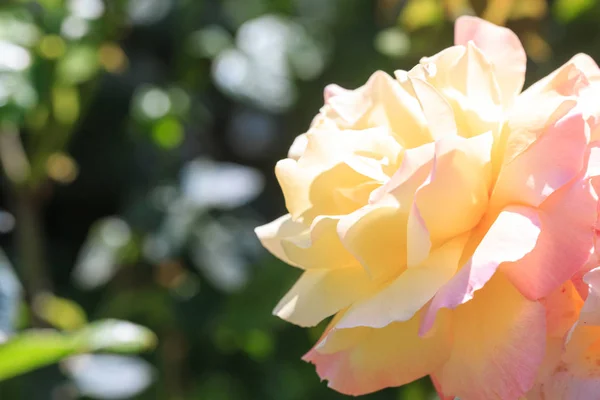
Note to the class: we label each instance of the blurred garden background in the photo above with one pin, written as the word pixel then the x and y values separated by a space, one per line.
pixel 137 145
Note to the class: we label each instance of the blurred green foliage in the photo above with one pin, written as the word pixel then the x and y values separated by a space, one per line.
pixel 137 143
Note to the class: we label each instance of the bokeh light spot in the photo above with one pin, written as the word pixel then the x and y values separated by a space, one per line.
pixel 168 133
pixel 52 47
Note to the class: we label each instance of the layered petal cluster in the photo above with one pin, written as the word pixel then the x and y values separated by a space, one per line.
pixel 447 222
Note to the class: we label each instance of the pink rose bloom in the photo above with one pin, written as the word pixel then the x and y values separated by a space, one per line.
pixel 446 221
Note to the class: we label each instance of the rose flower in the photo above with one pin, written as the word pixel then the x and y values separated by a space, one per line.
pixel 447 222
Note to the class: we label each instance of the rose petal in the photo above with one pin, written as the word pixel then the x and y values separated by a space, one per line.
pixel 586 64
pixel 501 46
pixel 554 97
pixel 370 233
pixel 577 375
pixel 567 236
pixel 333 90
pixel 554 348
pixel 593 162
pixel 499 344
pixel 580 62
pixel 552 160
pixel 577 279
pixel 298 147
pixel 418 239
pixel 407 294
pixel 272 234
pixel 439 390
pixel 362 360
pixel 465 77
pixel 461 176
pixel 320 293
pixel 381 102
pixel 590 313
pixel 453 168
pixel 437 111
pixel 572 369
pixel 318 247
pixel 311 185
pixel 513 234
pixel 562 309
pixel 415 168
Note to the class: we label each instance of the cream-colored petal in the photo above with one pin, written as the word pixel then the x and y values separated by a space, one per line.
pixel 414 170
pixel 418 238
pixel 501 46
pixel 407 294
pixel 376 236
pixel 318 247
pixel 381 102
pixel 320 293
pixel 466 79
pixel 438 113
pixel 461 176
pixel 272 234
pixel 298 147
pixel 332 162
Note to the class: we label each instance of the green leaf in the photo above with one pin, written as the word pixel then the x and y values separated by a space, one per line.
pixel 116 336
pixel 33 349
pixel 61 313
pixel 568 10
pixel 37 348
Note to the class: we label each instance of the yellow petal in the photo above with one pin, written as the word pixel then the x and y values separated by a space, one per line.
pixel 272 234
pixel 298 147
pixel 320 293
pixel 357 361
pixel 466 79
pixel 319 247
pixel 376 236
pixel 437 111
pixel 418 238
pixel 381 102
pixel 461 176
pixel 499 344
pixel 407 294
pixel 332 162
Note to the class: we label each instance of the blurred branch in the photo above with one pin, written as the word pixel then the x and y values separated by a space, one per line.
pixel 29 239
pixel 173 355
pixel 12 155
pixel 30 244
